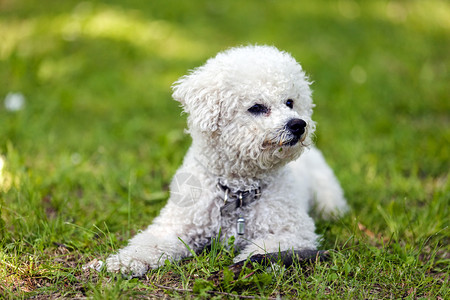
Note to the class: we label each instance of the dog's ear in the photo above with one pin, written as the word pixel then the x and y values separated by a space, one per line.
pixel 198 93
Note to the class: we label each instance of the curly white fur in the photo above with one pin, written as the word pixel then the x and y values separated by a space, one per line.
pixel 243 150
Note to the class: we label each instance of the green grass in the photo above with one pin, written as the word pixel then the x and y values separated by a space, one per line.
pixel 88 160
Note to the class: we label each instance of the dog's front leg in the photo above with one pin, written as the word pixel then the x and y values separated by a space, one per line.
pixel 298 233
pixel 275 243
pixel 148 250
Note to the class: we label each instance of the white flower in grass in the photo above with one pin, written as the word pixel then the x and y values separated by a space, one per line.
pixel 14 101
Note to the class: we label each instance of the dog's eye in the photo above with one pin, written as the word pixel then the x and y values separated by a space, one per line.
pixel 258 109
pixel 290 103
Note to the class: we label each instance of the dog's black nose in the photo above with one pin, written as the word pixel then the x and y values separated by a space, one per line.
pixel 296 127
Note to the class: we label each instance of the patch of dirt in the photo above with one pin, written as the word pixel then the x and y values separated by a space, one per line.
pixel 60 269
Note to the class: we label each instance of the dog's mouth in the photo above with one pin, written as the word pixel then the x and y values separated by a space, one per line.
pixel 293 142
pixel 285 140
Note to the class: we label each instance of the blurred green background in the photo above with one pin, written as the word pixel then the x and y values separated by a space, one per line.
pixel 99 136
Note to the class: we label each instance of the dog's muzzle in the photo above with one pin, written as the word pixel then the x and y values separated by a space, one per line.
pixel 290 134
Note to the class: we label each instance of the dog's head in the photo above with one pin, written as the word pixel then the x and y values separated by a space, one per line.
pixel 253 103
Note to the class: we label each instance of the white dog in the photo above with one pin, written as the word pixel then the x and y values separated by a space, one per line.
pixel 250 120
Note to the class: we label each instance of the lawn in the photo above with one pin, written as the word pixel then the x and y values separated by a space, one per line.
pixel 90 138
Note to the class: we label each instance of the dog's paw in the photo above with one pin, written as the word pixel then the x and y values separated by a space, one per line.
pixel 333 210
pixel 126 265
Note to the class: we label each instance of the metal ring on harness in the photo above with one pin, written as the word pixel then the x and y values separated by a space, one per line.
pixel 226 196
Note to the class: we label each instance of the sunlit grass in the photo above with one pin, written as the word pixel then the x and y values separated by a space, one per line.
pixel 97 22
